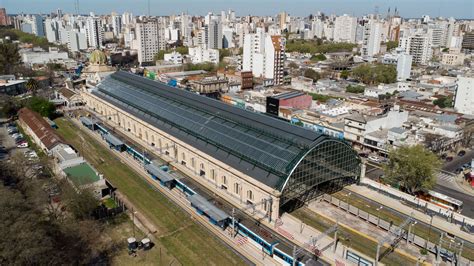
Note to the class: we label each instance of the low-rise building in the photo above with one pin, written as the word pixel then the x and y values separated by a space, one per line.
pixel 173 57
pixel 293 99
pixel 453 59
pixel 40 131
pixel 200 55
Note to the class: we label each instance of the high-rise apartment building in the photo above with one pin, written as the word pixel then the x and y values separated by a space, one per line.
pixel 404 66
pixel 4 20
pixel 419 46
pixel 345 29
pixel 468 41
pixel 38 25
pixel 147 41
pixel 214 34
pixel 94 32
pixel 52 30
pixel 371 38
pixel 464 98
pixel 116 24
pixel 263 55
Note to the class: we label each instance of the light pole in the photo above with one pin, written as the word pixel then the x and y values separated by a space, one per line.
pixel 429 231
pixel 378 215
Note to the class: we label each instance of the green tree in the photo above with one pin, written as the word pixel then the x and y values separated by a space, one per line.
pixel 32 85
pixel 42 106
pixel 345 74
pixel 223 53
pixel 293 65
pixel 160 55
pixel 413 168
pixel 320 97
pixel 355 89
pixel 374 74
pixel 312 74
pixel 318 57
pixel 9 58
pixel 444 102
pixel 182 50
pixel 81 203
pixel 391 45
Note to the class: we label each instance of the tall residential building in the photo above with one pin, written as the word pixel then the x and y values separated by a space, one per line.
pixel 345 29
pixel 464 99
pixel 94 32
pixel 147 41
pixel 371 38
pixel 74 40
pixel 263 55
pixel 4 17
pixel 51 29
pixel 468 41
pixel 419 46
pixel 116 25
pixel 282 18
pixel 38 25
pixel 214 34
pixel 200 55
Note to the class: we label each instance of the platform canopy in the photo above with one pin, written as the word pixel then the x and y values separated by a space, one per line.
pixel 208 208
pixel 111 139
pixel 160 174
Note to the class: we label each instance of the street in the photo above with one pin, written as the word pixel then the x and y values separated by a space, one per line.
pixel 374 173
pixel 458 161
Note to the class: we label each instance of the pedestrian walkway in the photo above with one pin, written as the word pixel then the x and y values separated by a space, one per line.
pixel 438 222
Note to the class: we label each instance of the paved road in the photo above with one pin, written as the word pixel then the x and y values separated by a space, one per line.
pixel 445 186
pixel 458 161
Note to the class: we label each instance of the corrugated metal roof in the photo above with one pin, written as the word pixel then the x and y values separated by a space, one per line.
pixel 215 213
pixel 113 140
pixel 262 147
pixel 86 121
pixel 160 174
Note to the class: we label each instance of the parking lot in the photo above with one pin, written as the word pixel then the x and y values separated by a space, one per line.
pixel 13 145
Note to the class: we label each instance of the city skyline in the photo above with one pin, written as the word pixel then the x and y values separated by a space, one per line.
pixel 455 8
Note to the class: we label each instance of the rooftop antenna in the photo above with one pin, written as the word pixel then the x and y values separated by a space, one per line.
pixel 148 7
pixel 76 6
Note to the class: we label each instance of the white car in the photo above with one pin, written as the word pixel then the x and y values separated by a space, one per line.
pixel 374 159
pixel 23 145
pixel 31 154
pixel 16 135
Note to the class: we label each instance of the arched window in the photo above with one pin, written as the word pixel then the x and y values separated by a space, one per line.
pixel 236 188
pixel 250 194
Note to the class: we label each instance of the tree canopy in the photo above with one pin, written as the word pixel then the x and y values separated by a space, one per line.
pixel 312 74
pixel 444 102
pixel 374 74
pixel 41 105
pixel 315 47
pixel 355 89
pixel 413 168
pixel 391 45
pixel 9 58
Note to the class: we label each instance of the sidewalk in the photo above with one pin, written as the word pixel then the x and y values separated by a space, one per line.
pixel 464 185
pixel 438 222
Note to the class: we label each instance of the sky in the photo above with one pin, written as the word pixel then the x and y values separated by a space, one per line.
pixel 407 8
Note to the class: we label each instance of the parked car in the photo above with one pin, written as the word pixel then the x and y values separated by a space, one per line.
pixel 23 145
pixel 363 155
pixel 20 140
pixel 374 158
pixel 443 156
pixel 461 153
pixel 449 158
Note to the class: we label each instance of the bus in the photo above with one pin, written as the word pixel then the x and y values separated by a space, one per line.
pixel 444 201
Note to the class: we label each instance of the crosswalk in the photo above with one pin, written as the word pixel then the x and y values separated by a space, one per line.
pixel 445 178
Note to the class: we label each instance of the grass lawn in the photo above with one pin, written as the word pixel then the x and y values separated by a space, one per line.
pixel 420 230
pixel 118 230
pixel 187 241
pixel 350 239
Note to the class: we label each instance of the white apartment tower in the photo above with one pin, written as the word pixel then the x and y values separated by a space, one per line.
pixel 116 25
pixel 404 66
pixel 464 100
pixel 214 34
pixel 94 32
pixel 345 29
pixel 263 55
pixel 419 46
pixel 371 38
pixel 147 41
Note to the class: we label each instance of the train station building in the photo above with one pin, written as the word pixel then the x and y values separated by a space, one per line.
pixel 244 157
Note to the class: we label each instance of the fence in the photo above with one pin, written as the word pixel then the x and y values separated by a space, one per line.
pixel 427 207
pixel 388 226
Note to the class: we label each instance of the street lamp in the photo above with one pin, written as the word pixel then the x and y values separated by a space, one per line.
pixel 378 215
pixel 429 231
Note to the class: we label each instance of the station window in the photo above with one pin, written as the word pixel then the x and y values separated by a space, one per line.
pixel 237 188
pixel 224 180
pixel 250 194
